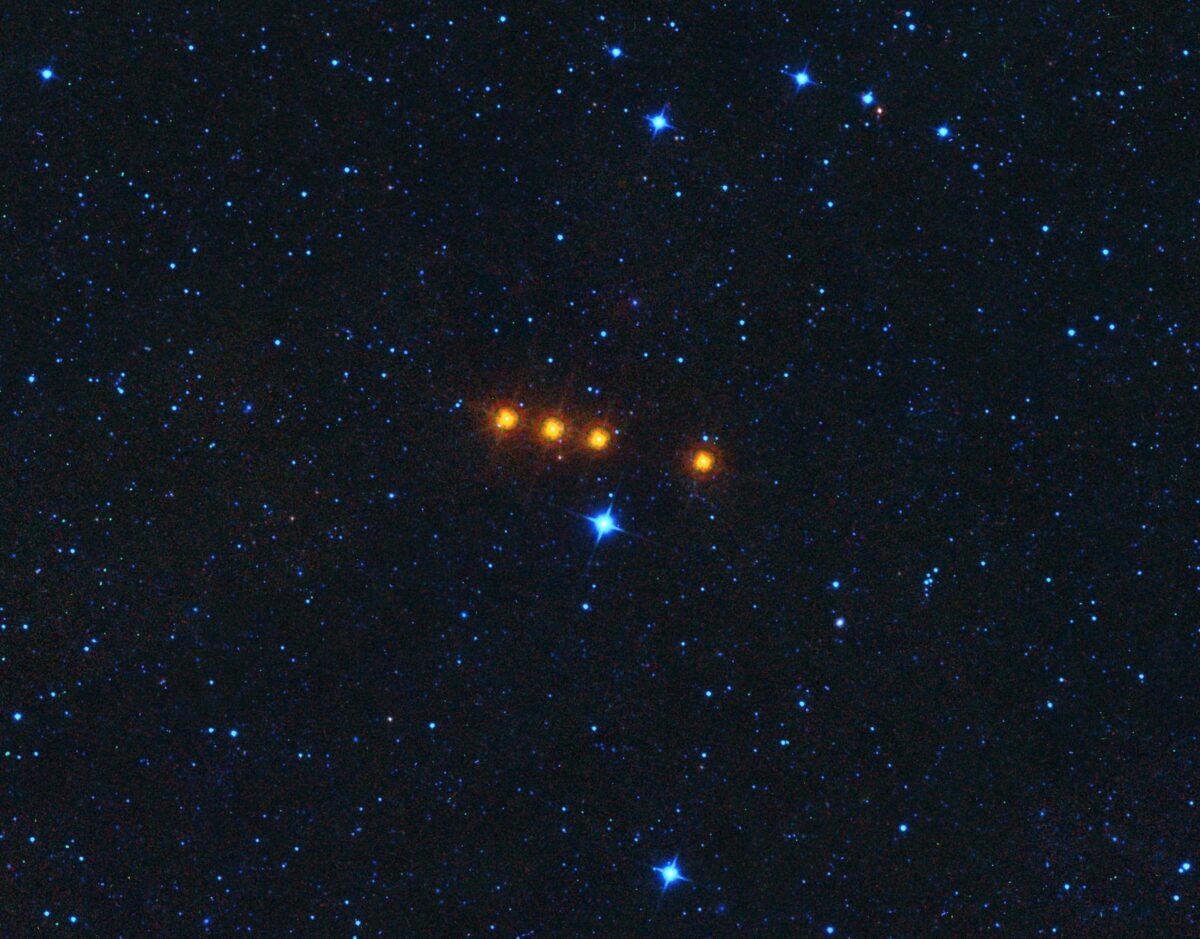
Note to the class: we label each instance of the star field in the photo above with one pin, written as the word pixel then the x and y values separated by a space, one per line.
pixel 545 471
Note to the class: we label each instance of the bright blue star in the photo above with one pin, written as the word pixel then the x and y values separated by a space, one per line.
pixel 943 131
pixel 615 52
pixel 801 79
pixel 868 98
pixel 669 873
pixel 604 523
pixel 658 121
pixel 47 74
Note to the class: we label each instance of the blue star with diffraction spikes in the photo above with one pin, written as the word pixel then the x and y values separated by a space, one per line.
pixel 670 873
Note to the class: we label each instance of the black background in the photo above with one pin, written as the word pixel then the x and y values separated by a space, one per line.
pixel 259 306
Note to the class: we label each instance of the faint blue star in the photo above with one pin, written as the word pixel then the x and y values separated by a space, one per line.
pixel 659 121
pixel 669 873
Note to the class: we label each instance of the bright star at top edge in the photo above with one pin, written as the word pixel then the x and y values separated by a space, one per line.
pixel 658 121
pixel 669 873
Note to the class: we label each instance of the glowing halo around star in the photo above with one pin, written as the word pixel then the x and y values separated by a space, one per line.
pixel 702 461
pixel 506 417
pixel 552 430
pixel 598 438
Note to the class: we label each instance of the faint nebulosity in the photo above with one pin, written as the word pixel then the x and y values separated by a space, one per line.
pixel 545 471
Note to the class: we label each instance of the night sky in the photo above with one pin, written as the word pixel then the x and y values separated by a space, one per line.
pixel 308 629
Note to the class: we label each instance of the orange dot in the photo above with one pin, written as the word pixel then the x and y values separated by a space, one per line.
pixel 598 438
pixel 506 418
pixel 553 429
pixel 703 461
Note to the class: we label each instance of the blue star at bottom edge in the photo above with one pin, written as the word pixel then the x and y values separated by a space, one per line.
pixel 669 873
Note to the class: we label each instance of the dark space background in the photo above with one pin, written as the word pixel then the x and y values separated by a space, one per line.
pixel 293 644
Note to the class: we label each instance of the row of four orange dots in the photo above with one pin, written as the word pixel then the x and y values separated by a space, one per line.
pixel 552 429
